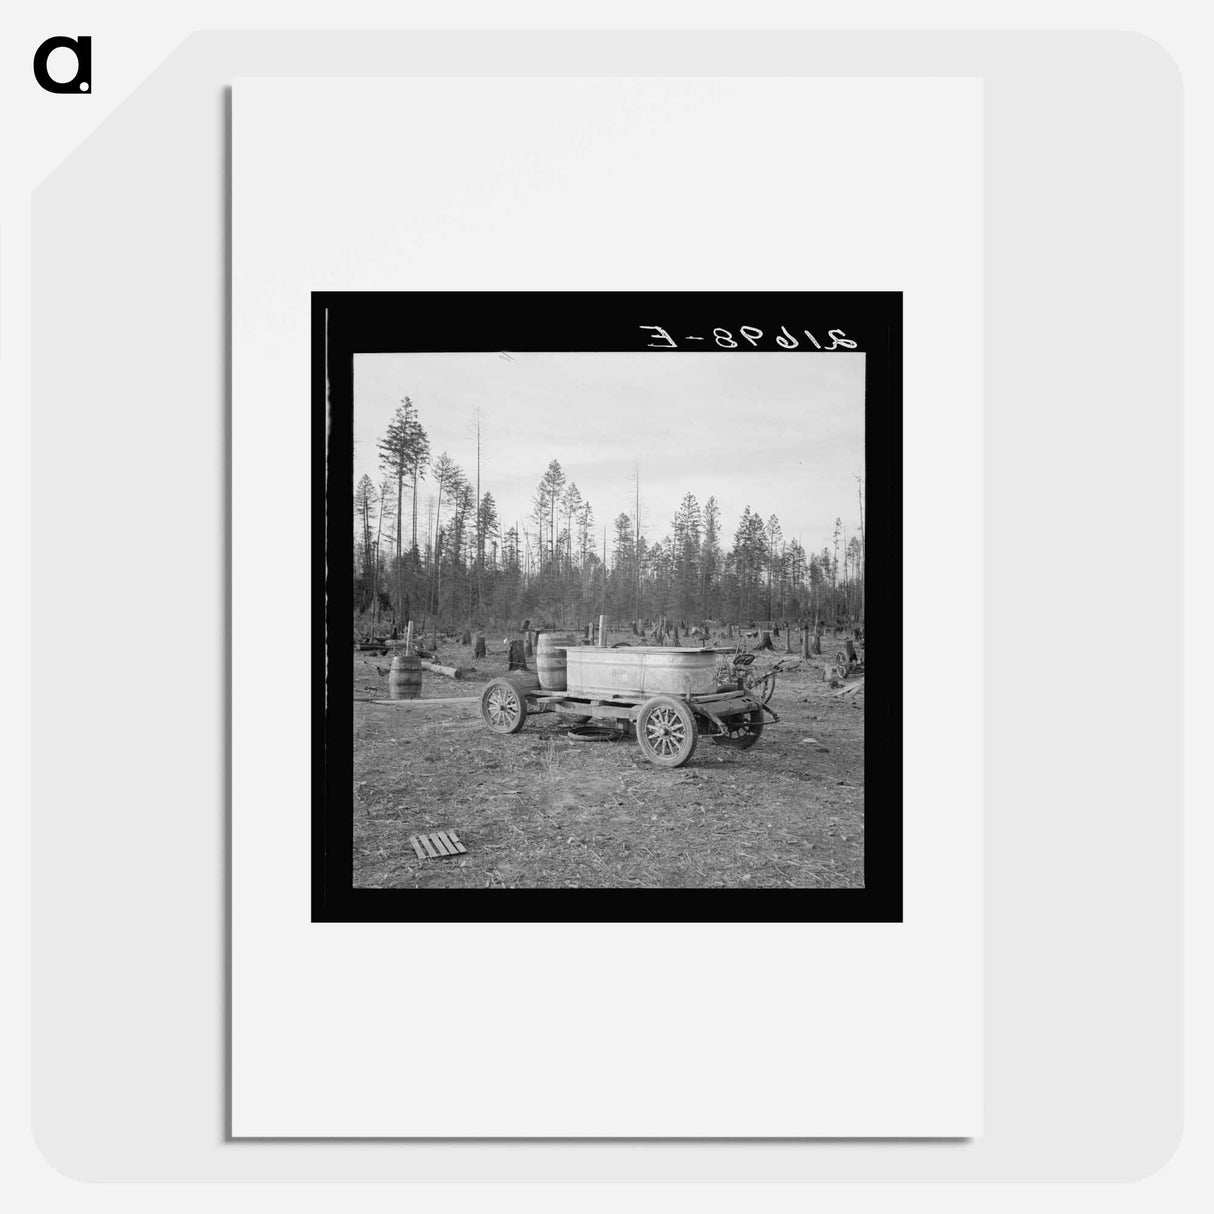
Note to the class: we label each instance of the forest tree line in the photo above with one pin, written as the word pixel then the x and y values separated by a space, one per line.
pixel 456 563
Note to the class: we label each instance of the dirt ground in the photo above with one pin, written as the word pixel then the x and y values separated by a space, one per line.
pixel 539 809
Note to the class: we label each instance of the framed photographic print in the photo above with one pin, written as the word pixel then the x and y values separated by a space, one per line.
pixel 595 581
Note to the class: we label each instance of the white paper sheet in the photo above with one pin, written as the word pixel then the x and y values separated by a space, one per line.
pixel 604 1031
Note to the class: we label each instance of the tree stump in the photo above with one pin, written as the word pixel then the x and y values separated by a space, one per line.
pixel 530 645
pixel 851 649
pixel 466 639
pixel 764 641
pixel 676 634
pixel 479 651
pixel 816 645
pixel 517 659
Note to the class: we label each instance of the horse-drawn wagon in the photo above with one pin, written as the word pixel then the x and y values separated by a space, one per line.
pixel 666 697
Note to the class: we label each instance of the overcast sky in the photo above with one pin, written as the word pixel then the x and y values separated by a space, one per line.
pixel 780 432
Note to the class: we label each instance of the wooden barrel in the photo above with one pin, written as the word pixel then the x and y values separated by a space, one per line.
pixel 550 659
pixel 405 677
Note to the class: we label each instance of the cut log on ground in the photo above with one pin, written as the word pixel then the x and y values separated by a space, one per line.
pixel 451 672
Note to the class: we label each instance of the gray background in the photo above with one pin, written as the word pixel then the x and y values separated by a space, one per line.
pixel 1082 486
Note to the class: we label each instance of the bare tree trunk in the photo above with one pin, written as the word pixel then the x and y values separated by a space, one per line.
pixel 400 594
pixel 400 523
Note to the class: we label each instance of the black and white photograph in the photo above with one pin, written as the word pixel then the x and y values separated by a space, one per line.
pixel 604 595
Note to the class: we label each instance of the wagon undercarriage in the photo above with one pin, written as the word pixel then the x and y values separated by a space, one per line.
pixel 666 726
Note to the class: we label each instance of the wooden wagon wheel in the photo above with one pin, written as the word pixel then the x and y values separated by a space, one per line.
pixel 503 707
pixel 666 731
pixel 761 686
pixel 841 664
pixel 744 730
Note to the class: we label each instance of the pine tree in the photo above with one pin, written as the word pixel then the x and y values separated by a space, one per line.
pixel 364 511
pixel 403 452
pixel 553 483
pixel 774 536
pixel 449 479
pixel 685 554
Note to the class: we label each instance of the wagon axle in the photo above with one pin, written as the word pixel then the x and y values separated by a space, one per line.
pixel 667 726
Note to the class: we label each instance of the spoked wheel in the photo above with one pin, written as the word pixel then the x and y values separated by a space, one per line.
pixel 743 732
pixel 503 707
pixel 842 665
pixel 666 731
pixel 761 686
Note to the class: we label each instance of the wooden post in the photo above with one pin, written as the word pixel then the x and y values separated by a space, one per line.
pixel 529 644
pixel 602 632
pixel 409 638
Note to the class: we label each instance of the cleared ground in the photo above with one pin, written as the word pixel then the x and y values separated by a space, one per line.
pixel 539 809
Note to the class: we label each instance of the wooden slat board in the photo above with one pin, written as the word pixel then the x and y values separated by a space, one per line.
pixel 437 845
